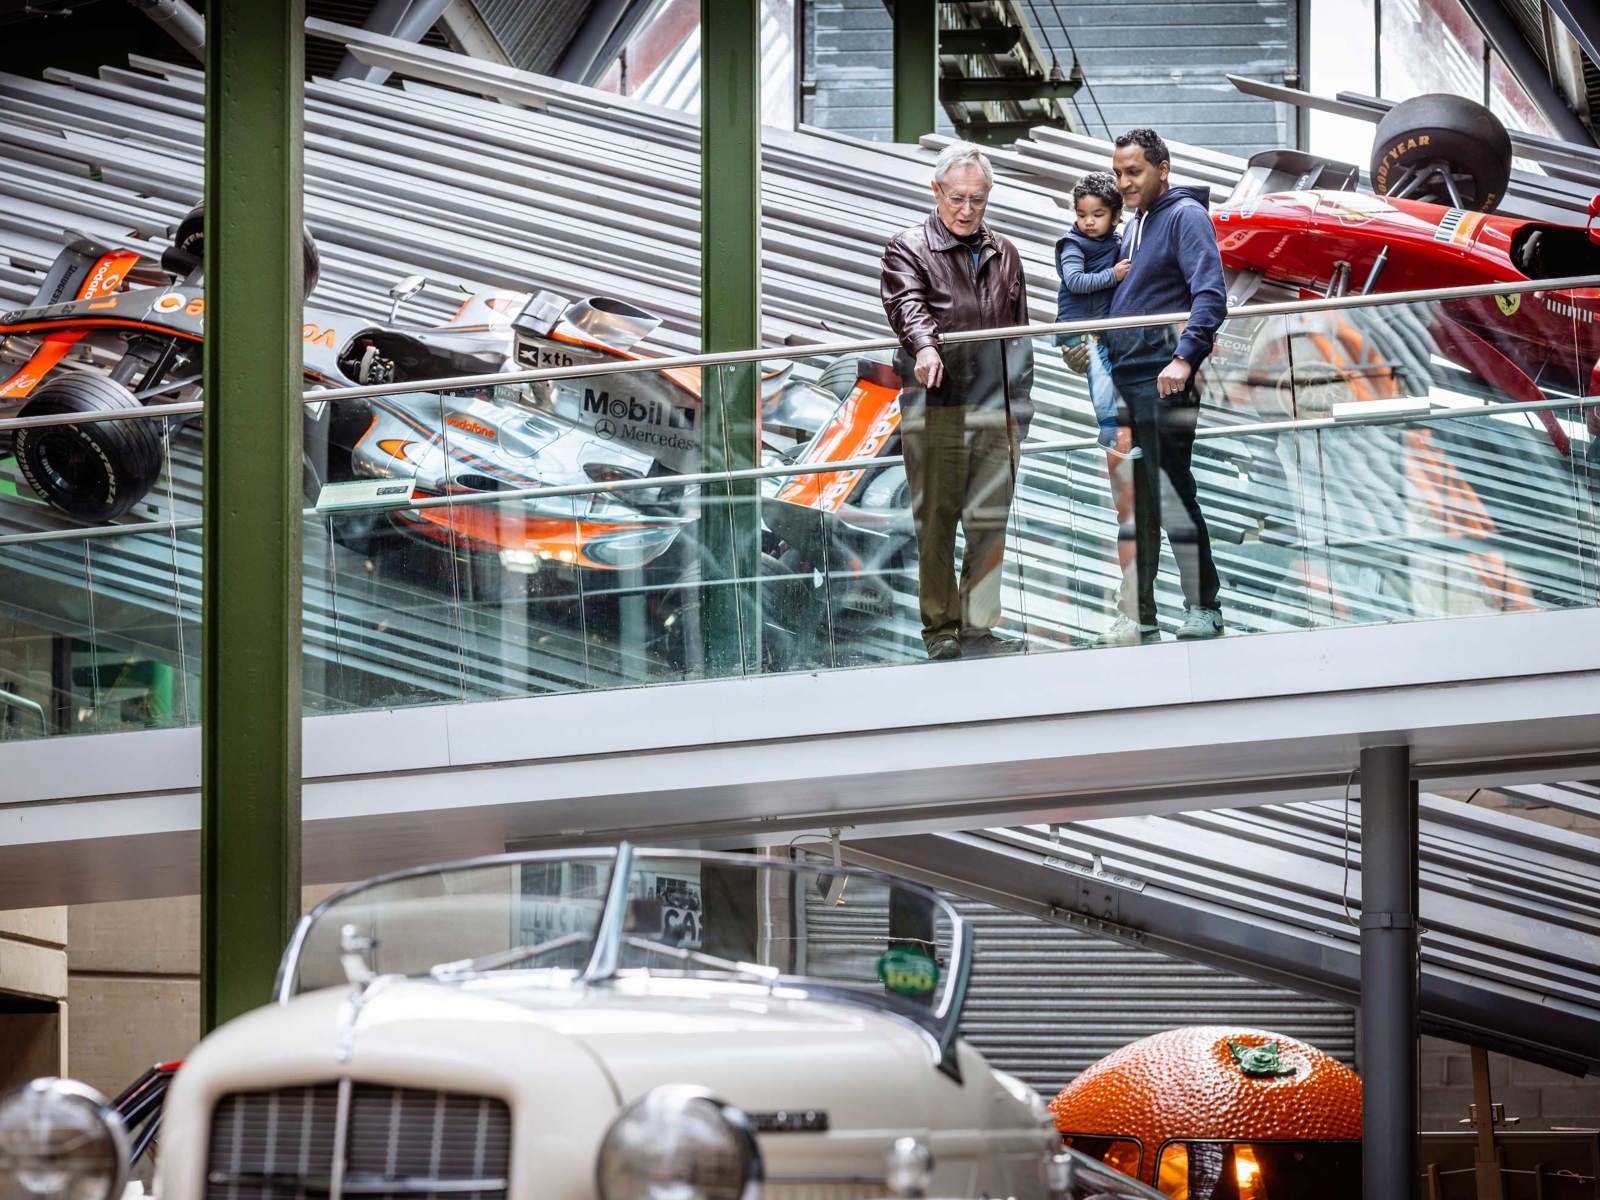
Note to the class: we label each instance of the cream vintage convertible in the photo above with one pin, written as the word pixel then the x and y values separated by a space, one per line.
pixel 623 1023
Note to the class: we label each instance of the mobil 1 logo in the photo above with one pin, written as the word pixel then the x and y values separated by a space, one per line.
pixel 650 424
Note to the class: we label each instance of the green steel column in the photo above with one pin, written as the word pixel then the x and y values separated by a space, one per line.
pixel 250 668
pixel 730 315
pixel 916 68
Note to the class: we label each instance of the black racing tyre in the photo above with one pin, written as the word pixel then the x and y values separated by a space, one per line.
pixel 97 471
pixel 189 239
pixel 839 376
pixel 1442 128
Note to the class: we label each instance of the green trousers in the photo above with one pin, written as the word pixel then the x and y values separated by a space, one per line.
pixel 960 466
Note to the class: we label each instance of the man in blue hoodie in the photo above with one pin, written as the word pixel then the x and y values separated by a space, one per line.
pixel 1175 268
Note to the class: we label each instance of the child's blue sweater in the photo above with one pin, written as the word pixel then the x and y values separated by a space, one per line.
pixel 1087 278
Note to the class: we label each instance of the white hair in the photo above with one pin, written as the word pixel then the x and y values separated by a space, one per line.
pixel 962 154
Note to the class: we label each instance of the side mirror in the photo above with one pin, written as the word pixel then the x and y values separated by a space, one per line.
pixel 403 291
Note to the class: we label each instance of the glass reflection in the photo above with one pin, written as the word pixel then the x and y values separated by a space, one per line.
pixel 1350 467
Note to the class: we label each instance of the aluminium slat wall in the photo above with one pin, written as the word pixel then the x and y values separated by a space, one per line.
pixel 1148 62
pixel 1510 907
pixel 1047 1000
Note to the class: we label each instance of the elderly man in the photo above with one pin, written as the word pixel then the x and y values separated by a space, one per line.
pixel 964 409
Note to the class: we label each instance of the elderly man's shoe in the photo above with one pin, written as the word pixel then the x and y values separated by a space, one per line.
pixel 943 649
pixel 982 645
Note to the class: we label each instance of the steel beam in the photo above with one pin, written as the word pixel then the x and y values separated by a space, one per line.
pixel 1389 973
pixel 1003 133
pixel 1001 39
pixel 730 319
pixel 250 667
pixel 1503 34
pixel 971 91
pixel 916 69
pixel 1583 22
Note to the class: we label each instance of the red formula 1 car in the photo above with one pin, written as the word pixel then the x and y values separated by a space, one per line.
pixel 1294 227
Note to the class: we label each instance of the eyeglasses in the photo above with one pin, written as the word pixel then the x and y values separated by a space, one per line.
pixel 976 203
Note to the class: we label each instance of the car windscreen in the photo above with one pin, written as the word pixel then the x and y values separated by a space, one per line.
pixel 531 913
pixel 838 933
pixel 857 934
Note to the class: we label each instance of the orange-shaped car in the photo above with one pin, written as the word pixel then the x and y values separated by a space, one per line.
pixel 1217 1112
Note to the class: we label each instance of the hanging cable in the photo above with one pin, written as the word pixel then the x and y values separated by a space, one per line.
pixel 1344 888
pixel 1078 72
pixel 1055 63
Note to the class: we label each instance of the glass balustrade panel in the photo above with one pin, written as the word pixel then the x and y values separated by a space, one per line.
pixel 381 617
pixel 97 575
pixel 1440 502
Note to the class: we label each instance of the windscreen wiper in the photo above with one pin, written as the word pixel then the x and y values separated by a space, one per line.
pixel 767 975
pixel 504 958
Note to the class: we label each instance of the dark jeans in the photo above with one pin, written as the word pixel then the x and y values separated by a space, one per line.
pixel 1164 431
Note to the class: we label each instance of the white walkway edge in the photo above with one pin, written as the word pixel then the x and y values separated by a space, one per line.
pixel 1237 721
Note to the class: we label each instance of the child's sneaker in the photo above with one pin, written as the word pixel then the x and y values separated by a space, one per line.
pixel 1125 631
pixel 1200 623
pixel 1108 442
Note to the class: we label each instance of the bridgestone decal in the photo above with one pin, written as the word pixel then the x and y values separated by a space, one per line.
pixel 108 495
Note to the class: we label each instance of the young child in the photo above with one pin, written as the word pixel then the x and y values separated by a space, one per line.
pixel 1090 263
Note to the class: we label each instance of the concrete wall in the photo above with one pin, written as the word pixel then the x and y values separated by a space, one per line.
pixel 1543 1098
pixel 134 985
pixel 33 987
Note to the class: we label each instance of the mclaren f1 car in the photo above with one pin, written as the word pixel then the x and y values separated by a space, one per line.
pixel 112 330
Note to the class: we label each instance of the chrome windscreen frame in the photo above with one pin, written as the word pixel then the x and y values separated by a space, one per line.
pixel 939 1023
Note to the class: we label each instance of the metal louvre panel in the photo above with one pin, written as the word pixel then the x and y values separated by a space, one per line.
pixel 533 35
pixel 1046 1001
pixel 1149 62
pixel 280 1144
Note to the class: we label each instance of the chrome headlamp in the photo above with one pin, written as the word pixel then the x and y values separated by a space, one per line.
pixel 677 1143
pixel 60 1140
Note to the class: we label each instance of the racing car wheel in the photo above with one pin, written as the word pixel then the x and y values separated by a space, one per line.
pixel 1443 149
pixel 188 244
pixel 95 471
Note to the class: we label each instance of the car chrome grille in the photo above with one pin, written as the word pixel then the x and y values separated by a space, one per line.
pixel 358 1140
pixel 822 1189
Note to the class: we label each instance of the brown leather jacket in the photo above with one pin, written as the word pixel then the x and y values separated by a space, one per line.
pixel 930 287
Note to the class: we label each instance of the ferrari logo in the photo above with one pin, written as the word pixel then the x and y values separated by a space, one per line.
pixel 1509 304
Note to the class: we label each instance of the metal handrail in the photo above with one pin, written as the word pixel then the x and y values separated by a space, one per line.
pixel 12 700
pixel 768 354
pixel 1356 420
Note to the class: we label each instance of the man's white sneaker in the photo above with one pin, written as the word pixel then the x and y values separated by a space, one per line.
pixel 1200 623
pixel 1125 631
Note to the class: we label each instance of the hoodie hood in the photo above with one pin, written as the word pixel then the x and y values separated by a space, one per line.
pixel 1199 193
pixel 1176 268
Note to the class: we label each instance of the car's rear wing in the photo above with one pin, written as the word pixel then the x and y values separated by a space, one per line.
pixel 88 268
pixel 1291 171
